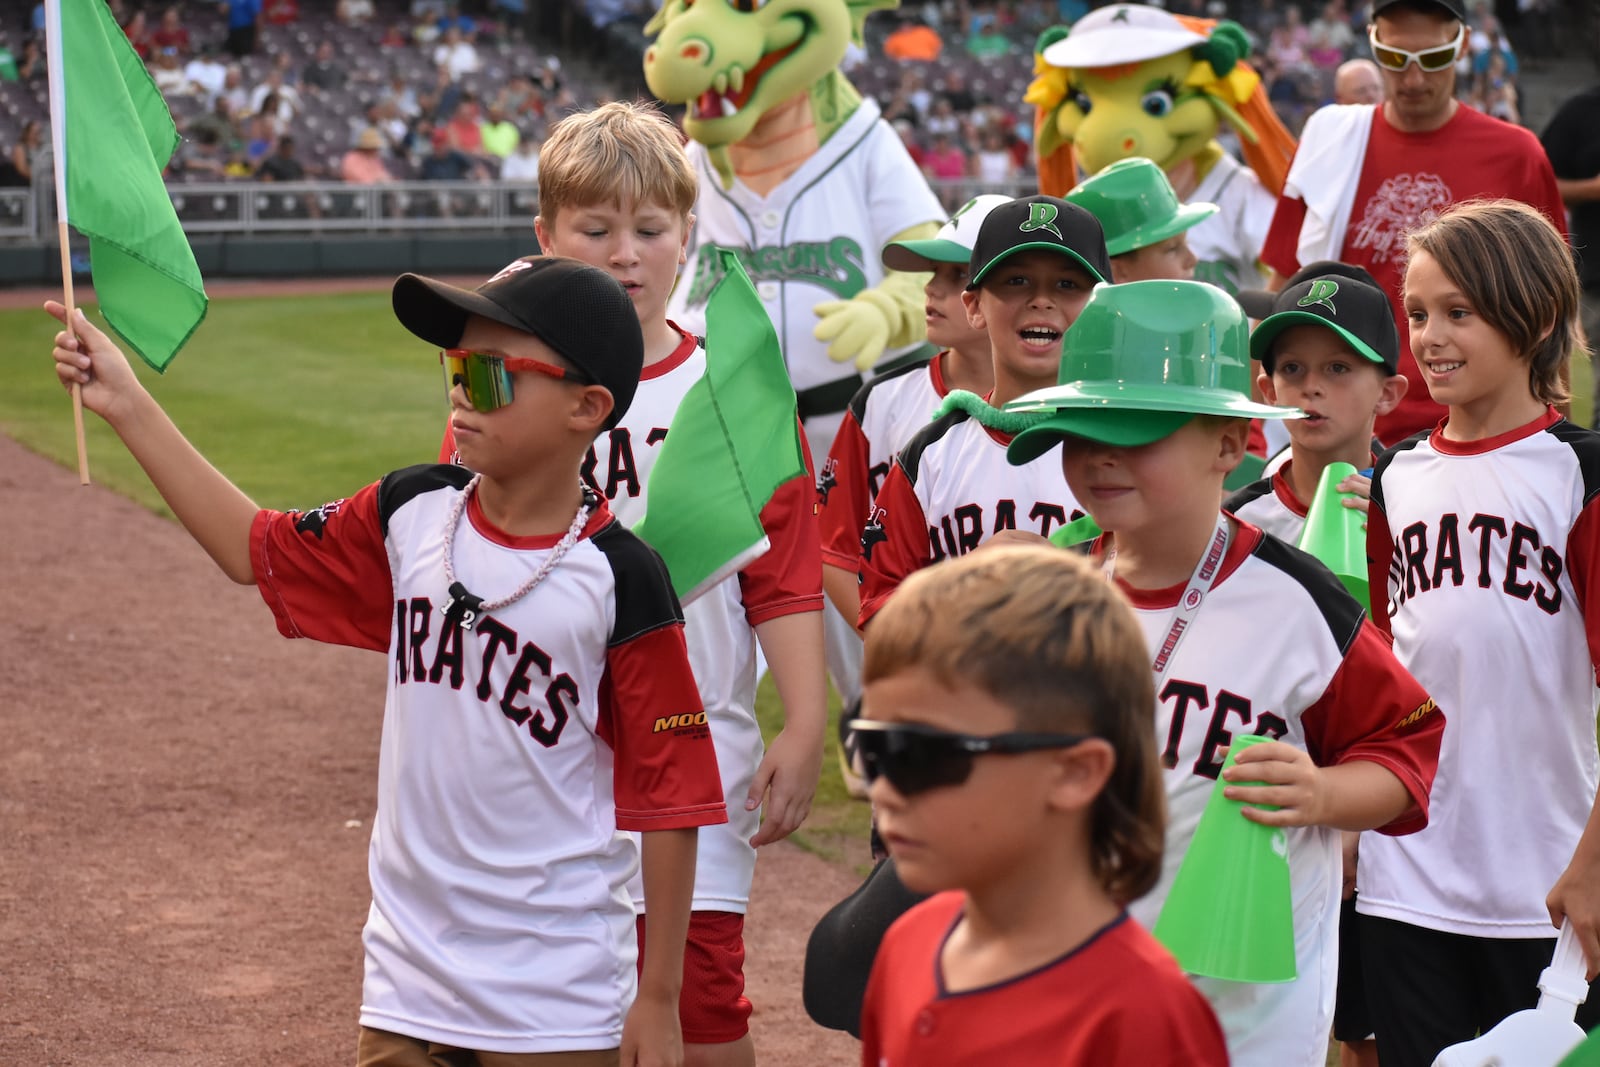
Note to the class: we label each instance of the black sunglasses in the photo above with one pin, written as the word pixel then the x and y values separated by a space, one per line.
pixel 917 758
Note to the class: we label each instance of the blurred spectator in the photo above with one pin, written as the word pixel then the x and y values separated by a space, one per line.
pixel 281 166
pixel 548 78
pixel 1285 52
pixel 260 135
pixel 993 165
pixel 456 54
pixel 363 164
pixel 447 164
pixel 243 18
pixel 498 135
pixel 991 43
pixel 31 64
pixel 354 12
pixel 395 37
pixel 1330 36
pixel 280 12
pixel 167 74
pixel 325 73
pixel 283 100
pixel 1358 82
pixel 207 74
pixel 26 155
pixel 215 123
pixel 453 19
pixel 523 164
pixel 956 93
pixel 519 100
pixel 945 163
pixel 1496 91
pixel 234 93
pixel 404 97
pixel 386 117
pixel 171 33
pixel 908 138
pixel 942 120
pixel 915 41
pixel 198 160
pixel 36 21
pixel 463 130
pixel 138 30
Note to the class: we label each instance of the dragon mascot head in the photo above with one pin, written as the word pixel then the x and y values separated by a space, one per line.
pixel 802 178
pixel 1132 80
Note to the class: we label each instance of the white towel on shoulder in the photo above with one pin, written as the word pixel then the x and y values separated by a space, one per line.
pixel 1325 173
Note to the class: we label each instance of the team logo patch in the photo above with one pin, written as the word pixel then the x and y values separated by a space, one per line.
pixel 1042 217
pixel 828 480
pixel 1322 292
pixel 509 269
pixel 1427 708
pixel 872 535
pixel 679 722
pixel 313 521
pixel 1192 601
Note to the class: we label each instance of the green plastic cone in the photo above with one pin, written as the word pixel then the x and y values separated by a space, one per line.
pixel 1334 535
pixel 1230 913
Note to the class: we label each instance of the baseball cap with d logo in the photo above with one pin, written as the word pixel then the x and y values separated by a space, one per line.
pixel 1040 222
pixel 952 244
pixel 1359 313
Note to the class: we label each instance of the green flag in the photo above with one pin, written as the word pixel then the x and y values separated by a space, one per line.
pixel 112 136
pixel 733 441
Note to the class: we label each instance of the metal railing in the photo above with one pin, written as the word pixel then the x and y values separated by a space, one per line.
pixel 249 207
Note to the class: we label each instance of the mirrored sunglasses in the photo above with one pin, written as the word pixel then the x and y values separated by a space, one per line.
pixel 487 376
pixel 1432 60
pixel 917 758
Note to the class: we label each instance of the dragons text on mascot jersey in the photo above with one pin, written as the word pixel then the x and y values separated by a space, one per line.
pixel 802 178
pixel 1130 80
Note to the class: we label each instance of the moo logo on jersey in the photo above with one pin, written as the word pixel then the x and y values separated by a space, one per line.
pixel 835 265
pixel 969 525
pixel 1215 716
pixel 622 466
pixel 421 660
pixel 1487 550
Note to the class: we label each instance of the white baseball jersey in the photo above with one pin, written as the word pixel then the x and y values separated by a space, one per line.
pixel 1490 552
pixel 949 490
pixel 1269 504
pixel 718 625
pixel 1315 674
pixel 1228 244
pixel 814 238
pixel 513 755
pixel 882 417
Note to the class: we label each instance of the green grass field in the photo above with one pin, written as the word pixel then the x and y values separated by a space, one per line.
pixel 300 401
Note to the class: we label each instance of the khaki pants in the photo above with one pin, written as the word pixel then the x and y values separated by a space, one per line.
pixel 379 1048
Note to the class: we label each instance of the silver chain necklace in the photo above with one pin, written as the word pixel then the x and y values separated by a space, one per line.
pixel 464 609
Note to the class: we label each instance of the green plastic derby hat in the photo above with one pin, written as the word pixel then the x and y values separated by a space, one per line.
pixel 1142 359
pixel 1136 205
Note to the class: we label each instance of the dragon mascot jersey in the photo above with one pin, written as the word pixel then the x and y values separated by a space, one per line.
pixel 1132 80
pixel 800 176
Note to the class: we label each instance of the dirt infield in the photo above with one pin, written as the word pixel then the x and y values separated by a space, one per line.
pixel 184 806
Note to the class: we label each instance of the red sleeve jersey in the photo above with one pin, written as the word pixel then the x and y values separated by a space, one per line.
pixel 787 578
pixel 1118 1000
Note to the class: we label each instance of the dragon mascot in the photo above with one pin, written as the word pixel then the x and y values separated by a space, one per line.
pixel 800 176
pixel 1132 80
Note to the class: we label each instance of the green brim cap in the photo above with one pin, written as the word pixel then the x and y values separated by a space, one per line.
pixel 1186 217
pixel 923 255
pixel 1136 205
pixel 1121 428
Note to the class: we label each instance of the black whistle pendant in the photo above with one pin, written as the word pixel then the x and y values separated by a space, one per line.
pixel 463 609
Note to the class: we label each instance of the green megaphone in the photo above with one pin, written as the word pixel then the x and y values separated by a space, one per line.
pixel 1230 913
pixel 1334 534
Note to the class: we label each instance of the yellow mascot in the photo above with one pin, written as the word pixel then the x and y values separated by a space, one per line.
pixel 1132 80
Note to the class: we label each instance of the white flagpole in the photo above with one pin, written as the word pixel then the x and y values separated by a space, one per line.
pixel 58 143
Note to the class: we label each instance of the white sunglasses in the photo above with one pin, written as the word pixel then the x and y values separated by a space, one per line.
pixel 1431 60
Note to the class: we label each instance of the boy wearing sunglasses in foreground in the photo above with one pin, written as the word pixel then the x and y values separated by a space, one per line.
pixel 540 697
pixel 1366 175
pixel 1243 634
pixel 1013 770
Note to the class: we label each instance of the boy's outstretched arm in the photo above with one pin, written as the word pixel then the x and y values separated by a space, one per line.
pixel 211 508
pixel 1576 895
pixel 651 1033
pixel 788 772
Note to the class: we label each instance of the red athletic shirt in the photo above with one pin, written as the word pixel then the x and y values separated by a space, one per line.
pixel 1407 179
pixel 1118 1000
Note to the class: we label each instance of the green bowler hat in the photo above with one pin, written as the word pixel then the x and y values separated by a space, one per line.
pixel 1142 359
pixel 1136 205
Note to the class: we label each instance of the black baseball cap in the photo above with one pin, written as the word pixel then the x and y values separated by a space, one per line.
pixel 1258 303
pixel 1359 313
pixel 1045 222
pixel 1455 8
pixel 578 310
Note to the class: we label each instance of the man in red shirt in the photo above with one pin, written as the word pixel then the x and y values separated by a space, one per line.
pixel 1422 150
